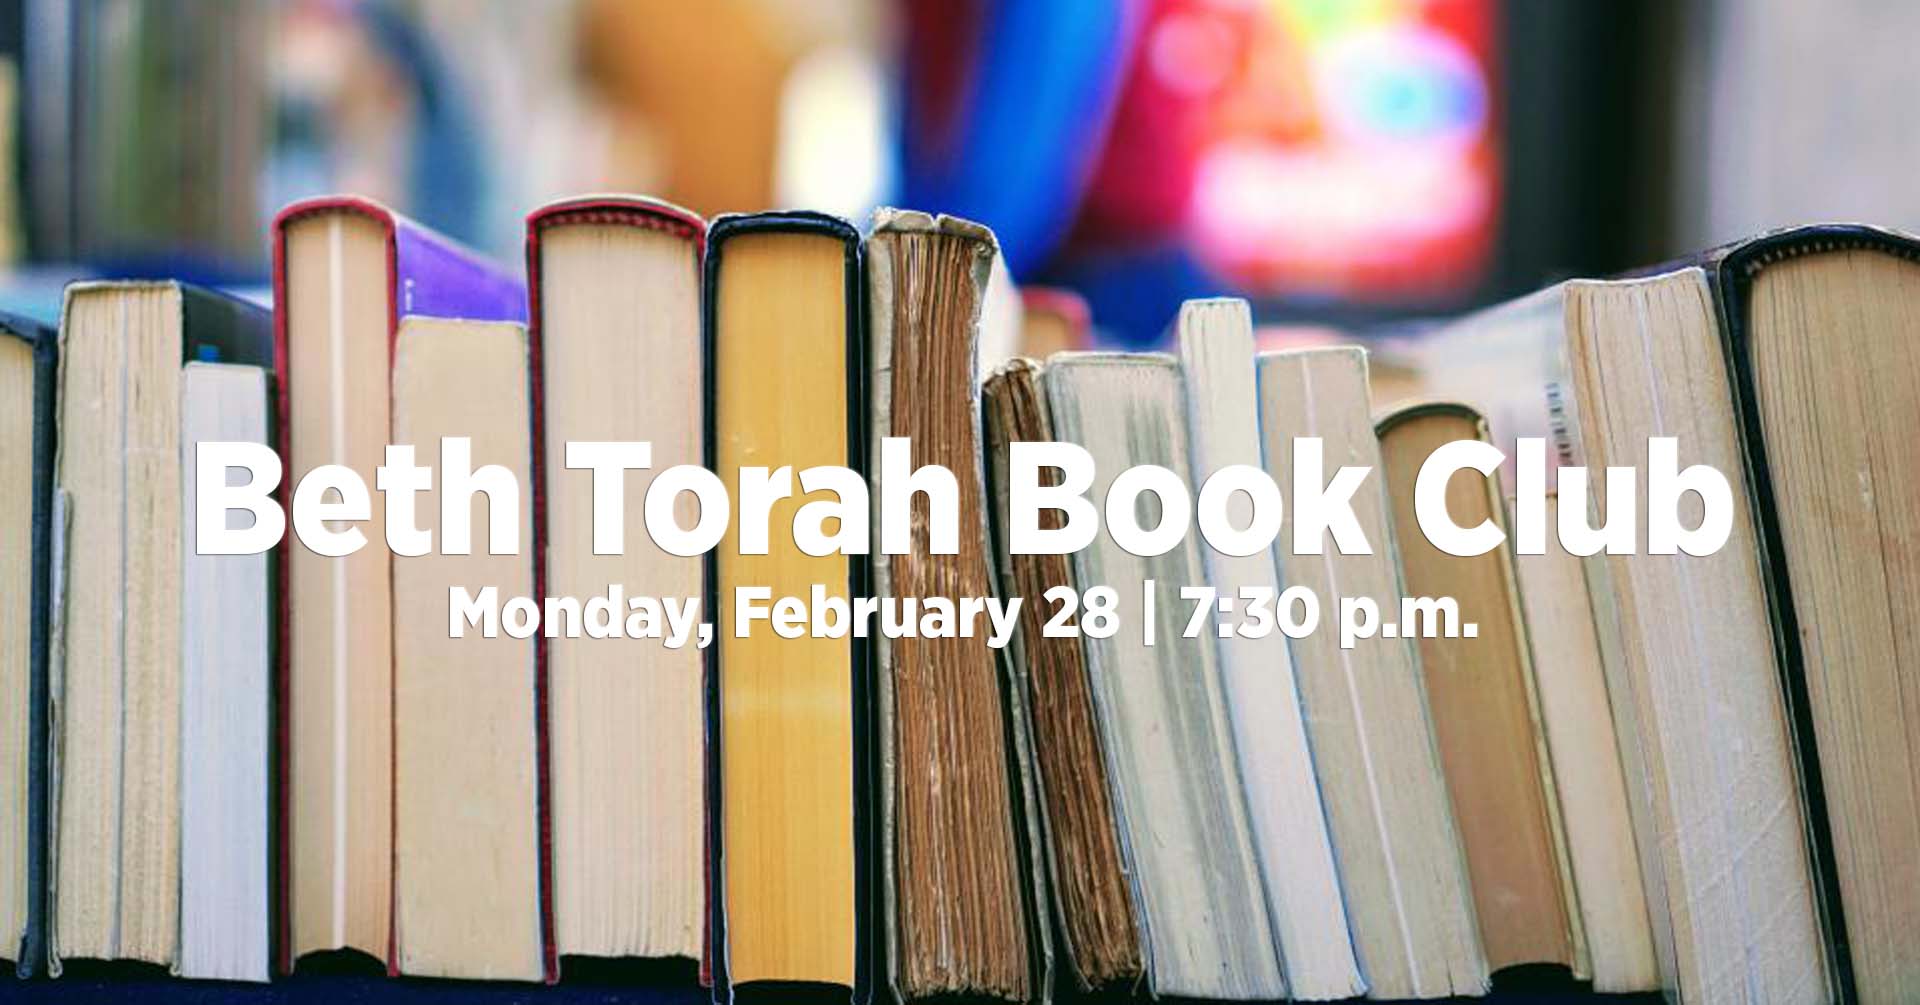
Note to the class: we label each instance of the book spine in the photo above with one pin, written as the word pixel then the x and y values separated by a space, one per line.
pixel 881 254
pixel 33 942
pixel 216 328
pixel 543 647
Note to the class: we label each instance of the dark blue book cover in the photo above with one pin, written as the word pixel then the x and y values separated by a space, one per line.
pixel 28 946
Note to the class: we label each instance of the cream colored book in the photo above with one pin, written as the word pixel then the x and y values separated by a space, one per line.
pixel 1409 901
pixel 121 622
pixel 117 830
pixel 1162 707
pixel 226 709
pixel 339 632
pixel 1687 641
pixel 1584 747
pixel 1288 821
pixel 617 284
pixel 347 271
pixel 466 863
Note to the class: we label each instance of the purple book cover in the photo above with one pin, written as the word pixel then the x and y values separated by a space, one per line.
pixel 435 277
pixel 432 276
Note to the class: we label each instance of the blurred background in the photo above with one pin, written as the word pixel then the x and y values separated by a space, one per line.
pixel 1342 163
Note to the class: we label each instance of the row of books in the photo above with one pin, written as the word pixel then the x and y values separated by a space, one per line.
pixel 1669 771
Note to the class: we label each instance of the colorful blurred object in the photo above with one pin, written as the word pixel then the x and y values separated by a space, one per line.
pixel 1309 148
pixel 1306 151
pixel 1353 153
pixel 1332 160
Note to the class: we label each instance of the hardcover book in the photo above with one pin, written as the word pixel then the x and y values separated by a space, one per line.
pixel 346 271
pixel 788 719
pixel 1818 325
pixel 614 284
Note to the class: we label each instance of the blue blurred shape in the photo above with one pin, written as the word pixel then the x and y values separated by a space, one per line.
pixel 1014 137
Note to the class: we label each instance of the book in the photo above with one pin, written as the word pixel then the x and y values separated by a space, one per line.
pixel 27 365
pixel 1727 848
pixel 1091 903
pixel 615 288
pixel 1813 320
pixel 1584 749
pixel 1163 716
pixel 1288 822
pixel 226 701
pixel 346 271
pixel 788 721
pixel 467 876
pixel 1481 695
pixel 119 669
pixel 1408 896
pixel 956 885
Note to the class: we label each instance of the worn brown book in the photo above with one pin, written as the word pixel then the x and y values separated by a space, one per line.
pixel 957 887
pixel 1092 904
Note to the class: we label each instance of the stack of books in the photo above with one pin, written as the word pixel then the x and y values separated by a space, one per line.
pixel 1641 768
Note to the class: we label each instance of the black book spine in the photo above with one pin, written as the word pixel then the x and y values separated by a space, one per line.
pixel 32 950
pixel 224 329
